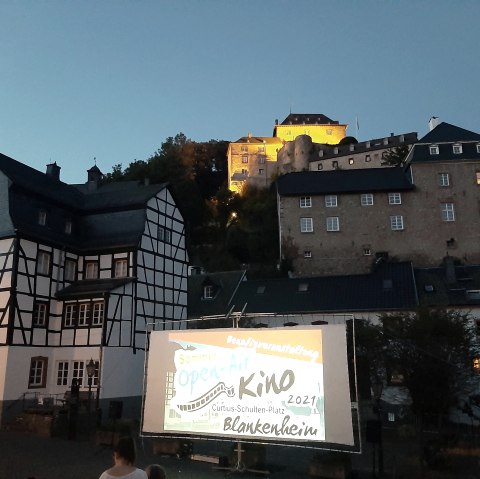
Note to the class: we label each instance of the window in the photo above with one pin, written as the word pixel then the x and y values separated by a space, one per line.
pixel 91 269
pixel 367 252
pixel 42 218
pixel 244 172
pixel 70 270
pixel 261 171
pixel 331 201
pixel 307 254
pixel 261 149
pixel 333 223
pixel 448 212
pixel 396 222
pixel 366 199
pixel 394 199
pixel 443 179
pixel 208 291
pixel 244 148
pixel 244 159
pixel 164 234
pixel 83 314
pixel 320 166
pixel 261 160
pixel 62 373
pixel 335 165
pixel 478 147
pixel 97 317
pixel 306 225
pixel 433 149
pixel 39 317
pixel 68 227
pixel 368 158
pixel 329 131
pixel 305 202
pixel 37 377
pixel 477 177
pixel 78 371
pixel 43 263
pixel 121 268
pixel 70 315
pixel 351 161
pixel 457 149
pixel 93 381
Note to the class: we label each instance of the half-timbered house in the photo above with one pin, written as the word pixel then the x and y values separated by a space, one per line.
pixel 85 272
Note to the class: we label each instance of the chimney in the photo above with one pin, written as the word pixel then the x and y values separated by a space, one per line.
pixel 433 123
pixel 53 170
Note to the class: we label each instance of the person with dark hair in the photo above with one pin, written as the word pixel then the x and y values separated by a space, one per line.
pixel 124 459
pixel 155 471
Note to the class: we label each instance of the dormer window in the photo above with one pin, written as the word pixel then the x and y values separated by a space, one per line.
pixel 261 289
pixel 433 149
pixel 478 147
pixel 42 218
pixel 208 291
pixel 68 227
pixel 352 147
pixel 367 144
pixel 457 149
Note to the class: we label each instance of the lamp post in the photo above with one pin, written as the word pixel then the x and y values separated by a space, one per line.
pixel 90 373
pixel 377 388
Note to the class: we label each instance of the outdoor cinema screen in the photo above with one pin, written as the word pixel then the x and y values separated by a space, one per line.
pixel 273 385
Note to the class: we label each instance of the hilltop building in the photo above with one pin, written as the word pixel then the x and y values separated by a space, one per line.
pixel 253 160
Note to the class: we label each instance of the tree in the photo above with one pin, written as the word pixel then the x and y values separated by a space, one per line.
pixel 395 156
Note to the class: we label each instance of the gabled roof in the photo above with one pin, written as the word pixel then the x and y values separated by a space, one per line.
pixel 226 283
pixel 435 288
pixel 390 287
pixel 308 119
pixel 344 181
pixel 445 132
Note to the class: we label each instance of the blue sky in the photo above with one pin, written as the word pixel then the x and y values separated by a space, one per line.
pixel 112 79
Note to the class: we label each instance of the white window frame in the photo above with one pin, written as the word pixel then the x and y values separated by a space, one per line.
pixel 478 147
pixel 305 201
pixel 244 148
pixel 39 313
pixel 367 251
pixel 37 374
pixel 84 310
pixel 333 223
pixel 78 372
pixel 434 149
pixel 43 262
pixel 91 269
pixel 307 254
pixel 120 268
pixel 62 373
pixel 457 149
pixel 70 271
pixel 208 291
pixel 98 312
pixel 261 159
pixel 444 179
pixel 448 212
pixel 306 225
pixel 396 223
pixel 70 315
pixel 331 201
pixel 366 199
pixel 244 159
pixel 394 198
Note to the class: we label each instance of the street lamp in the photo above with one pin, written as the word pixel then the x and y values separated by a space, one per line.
pixel 377 388
pixel 90 374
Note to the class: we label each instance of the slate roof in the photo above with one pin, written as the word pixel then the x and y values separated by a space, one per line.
pixel 226 284
pixel 361 147
pixel 308 119
pixel 390 287
pixel 344 181
pixel 103 216
pixel 91 287
pixel 445 132
pixel 434 289
pixel 421 153
pixel 258 139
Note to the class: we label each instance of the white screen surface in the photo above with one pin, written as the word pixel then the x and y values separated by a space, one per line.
pixel 286 384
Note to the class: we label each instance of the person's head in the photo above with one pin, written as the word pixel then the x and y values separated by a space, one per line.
pixel 125 449
pixel 155 471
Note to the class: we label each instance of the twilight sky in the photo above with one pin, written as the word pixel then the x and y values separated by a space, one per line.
pixel 112 79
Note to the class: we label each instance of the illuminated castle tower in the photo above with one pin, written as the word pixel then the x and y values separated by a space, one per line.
pixel 253 159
